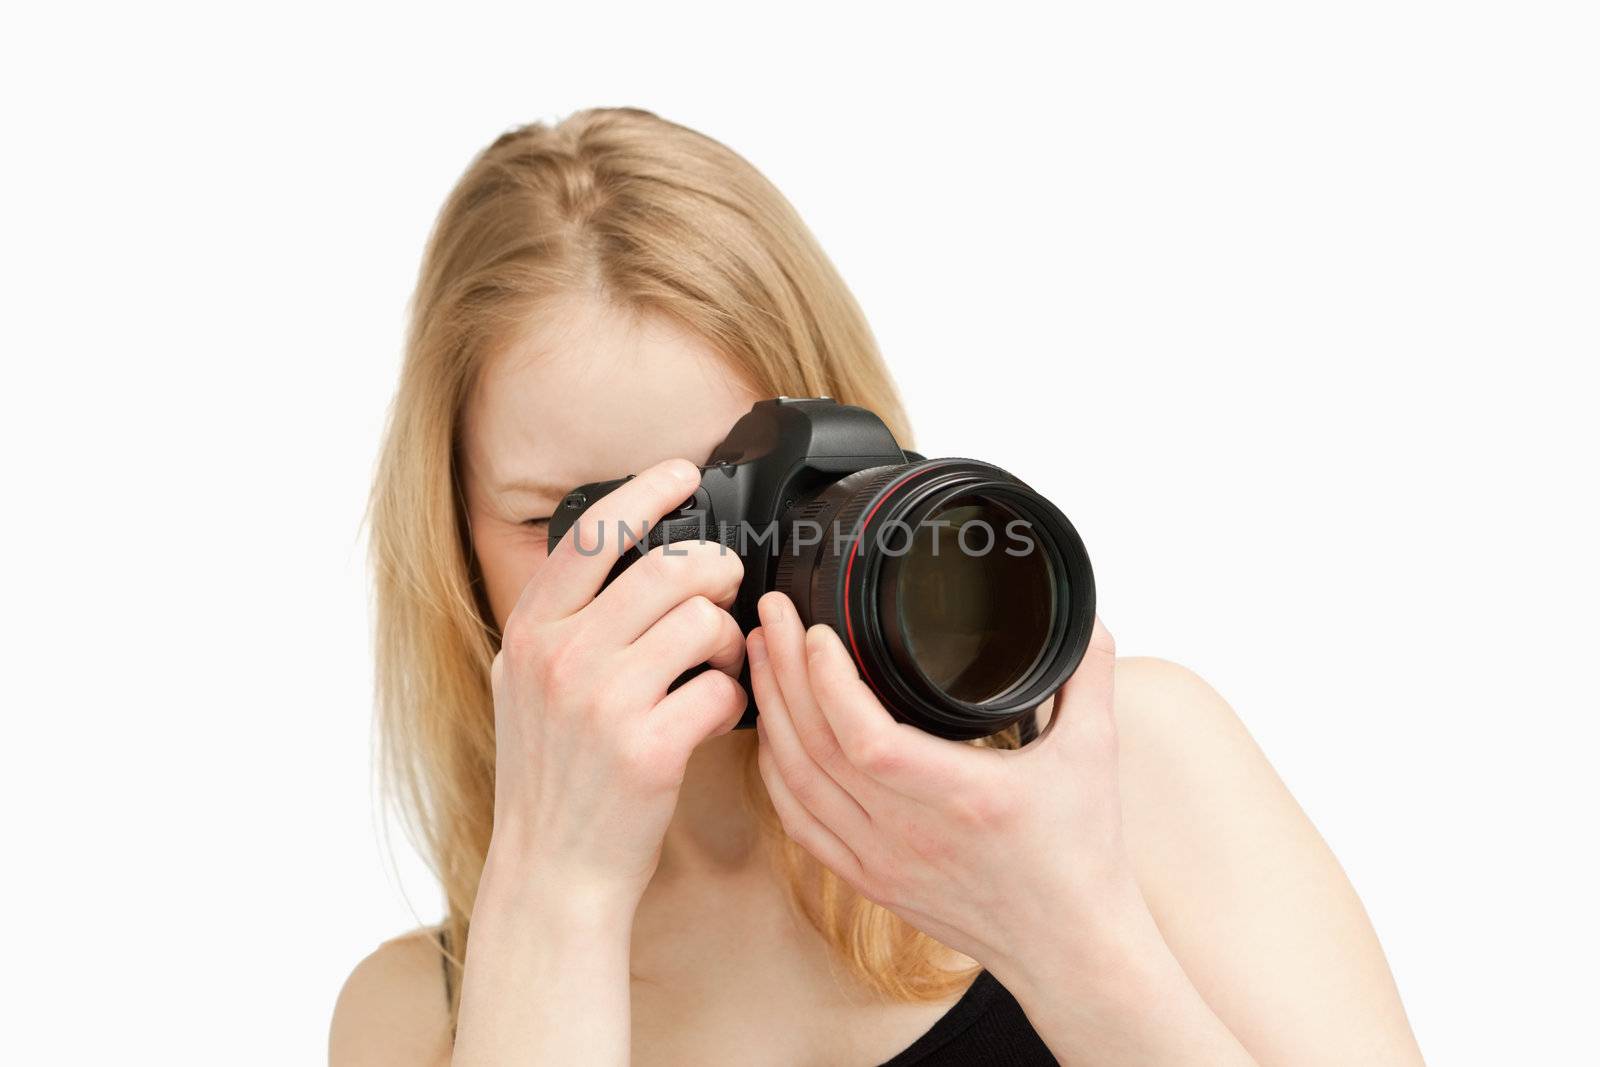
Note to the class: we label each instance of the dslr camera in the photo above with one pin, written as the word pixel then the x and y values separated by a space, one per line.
pixel 965 598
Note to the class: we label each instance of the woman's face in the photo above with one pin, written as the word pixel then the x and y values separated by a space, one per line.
pixel 587 393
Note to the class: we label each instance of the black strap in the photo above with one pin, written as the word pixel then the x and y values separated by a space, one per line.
pixel 444 962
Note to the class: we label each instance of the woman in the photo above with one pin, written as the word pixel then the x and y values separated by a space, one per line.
pixel 629 877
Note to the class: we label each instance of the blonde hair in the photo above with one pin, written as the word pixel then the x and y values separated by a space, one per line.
pixel 662 218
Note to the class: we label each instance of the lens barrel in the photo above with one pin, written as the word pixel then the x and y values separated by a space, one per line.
pixel 965 597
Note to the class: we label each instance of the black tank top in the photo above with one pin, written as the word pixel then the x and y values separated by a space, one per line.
pixel 985 1028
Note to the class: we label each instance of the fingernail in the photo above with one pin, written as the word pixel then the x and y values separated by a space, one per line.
pixel 756 649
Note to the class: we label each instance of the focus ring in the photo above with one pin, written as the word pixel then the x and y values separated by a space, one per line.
pixel 784 576
pixel 854 500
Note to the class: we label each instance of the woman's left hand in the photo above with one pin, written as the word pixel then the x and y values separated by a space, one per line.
pixel 979 848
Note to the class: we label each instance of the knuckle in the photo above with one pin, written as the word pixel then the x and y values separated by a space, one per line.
pixel 983 808
pixel 928 841
pixel 785 818
pixel 879 756
pixel 825 744
pixel 736 700
pixel 519 638
pixel 968 811
pixel 657 564
pixel 807 789
pixel 730 565
pixel 561 664
pixel 731 631
pixel 722 691
pixel 703 615
pixel 612 692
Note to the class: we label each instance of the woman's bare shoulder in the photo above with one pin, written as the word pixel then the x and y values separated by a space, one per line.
pixel 1164 709
pixel 1246 891
pixel 392 1008
pixel 1208 821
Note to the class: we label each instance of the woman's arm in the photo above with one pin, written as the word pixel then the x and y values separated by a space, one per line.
pixel 591 742
pixel 1241 930
pixel 1251 946
pixel 1104 990
pixel 546 977
pixel 546 981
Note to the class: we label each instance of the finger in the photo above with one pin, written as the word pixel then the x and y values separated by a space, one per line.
pixel 804 827
pixel 707 705
pixel 786 644
pixel 667 576
pixel 810 784
pixel 578 565
pixel 694 632
pixel 1085 708
pixel 895 754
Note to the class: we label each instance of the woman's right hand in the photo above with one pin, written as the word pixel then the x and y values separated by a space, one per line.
pixel 590 747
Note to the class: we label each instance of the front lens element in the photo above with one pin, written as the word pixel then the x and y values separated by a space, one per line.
pixel 975 599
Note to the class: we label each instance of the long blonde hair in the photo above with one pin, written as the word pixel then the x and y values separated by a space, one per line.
pixel 661 218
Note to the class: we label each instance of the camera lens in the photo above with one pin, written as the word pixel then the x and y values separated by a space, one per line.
pixel 965 597
pixel 974 599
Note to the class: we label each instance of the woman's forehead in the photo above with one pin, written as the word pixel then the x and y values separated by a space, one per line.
pixel 591 393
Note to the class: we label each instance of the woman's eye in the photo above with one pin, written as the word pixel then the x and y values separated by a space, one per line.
pixel 542 521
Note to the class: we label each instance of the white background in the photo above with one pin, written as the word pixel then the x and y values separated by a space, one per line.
pixel 1291 307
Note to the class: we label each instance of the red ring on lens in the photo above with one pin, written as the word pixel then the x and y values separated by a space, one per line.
pixel 866 520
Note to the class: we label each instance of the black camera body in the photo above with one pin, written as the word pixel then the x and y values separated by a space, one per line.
pixel 811 494
pixel 782 452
